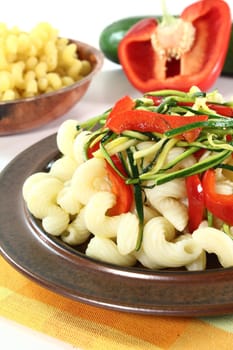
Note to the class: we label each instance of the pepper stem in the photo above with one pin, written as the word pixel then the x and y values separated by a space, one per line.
pixel 167 18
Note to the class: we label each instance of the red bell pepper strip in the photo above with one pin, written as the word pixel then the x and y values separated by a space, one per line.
pixel 122 191
pixel 126 103
pixel 92 149
pixel 221 109
pixel 196 206
pixel 226 111
pixel 147 121
pixel 153 58
pixel 220 205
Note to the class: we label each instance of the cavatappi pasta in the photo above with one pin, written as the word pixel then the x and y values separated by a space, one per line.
pixel 74 198
pixel 37 62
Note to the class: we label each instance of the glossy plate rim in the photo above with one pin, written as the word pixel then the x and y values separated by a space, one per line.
pixel 64 271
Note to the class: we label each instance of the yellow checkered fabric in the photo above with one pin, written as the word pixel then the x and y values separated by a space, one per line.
pixel 92 328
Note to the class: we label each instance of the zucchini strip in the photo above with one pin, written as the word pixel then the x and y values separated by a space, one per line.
pixel 138 196
pixel 197 168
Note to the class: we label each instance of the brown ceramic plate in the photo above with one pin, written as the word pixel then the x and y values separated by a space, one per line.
pixel 68 271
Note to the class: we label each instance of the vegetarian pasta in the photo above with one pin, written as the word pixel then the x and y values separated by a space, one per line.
pixel 149 182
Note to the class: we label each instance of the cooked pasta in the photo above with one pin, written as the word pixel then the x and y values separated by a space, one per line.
pixel 95 215
pixel 65 137
pixel 167 200
pixel 217 242
pixel 63 168
pixel 104 249
pixel 127 233
pixel 76 232
pixel 161 249
pixel 55 221
pixel 79 144
pixel 67 200
pixel 43 195
pixel 89 178
pixel 31 181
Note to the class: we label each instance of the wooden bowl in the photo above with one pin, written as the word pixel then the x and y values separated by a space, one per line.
pixel 28 113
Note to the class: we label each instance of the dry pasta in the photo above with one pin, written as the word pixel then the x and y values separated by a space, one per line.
pixel 38 61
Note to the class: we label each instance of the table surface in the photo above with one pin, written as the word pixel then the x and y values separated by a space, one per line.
pixel 83 21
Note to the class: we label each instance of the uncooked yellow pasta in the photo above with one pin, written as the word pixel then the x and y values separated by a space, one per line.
pixel 38 61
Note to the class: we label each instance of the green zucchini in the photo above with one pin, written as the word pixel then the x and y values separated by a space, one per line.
pixel 114 32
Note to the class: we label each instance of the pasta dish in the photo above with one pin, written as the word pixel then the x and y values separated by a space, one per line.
pixel 149 182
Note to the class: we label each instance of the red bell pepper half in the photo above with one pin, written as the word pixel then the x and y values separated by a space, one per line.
pixel 122 191
pixel 196 206
pixel 147 121
pixel 220 205
pixel 178 54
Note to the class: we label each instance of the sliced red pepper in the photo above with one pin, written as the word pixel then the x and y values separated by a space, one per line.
pixel 92 149
pixel 220 205
pixel 157 100
pixel 198 154
pixel 196 206
pixel 126 103
pixel 147 121
pixel 221 109
pixel 226 111
pixel 122 191
pixel 154 60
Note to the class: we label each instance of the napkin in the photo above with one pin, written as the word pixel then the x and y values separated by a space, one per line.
pixel 92 328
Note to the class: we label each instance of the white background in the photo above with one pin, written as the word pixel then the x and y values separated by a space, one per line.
pixel 84 21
